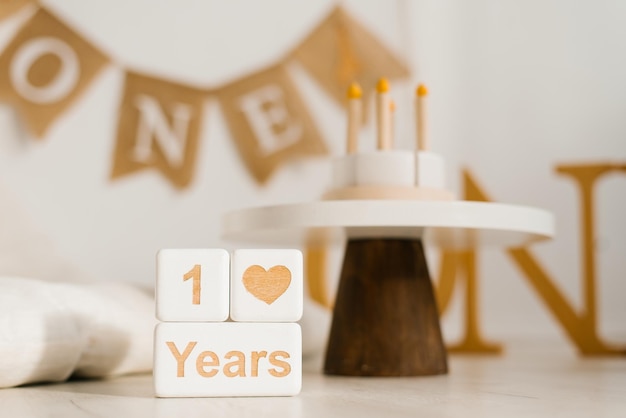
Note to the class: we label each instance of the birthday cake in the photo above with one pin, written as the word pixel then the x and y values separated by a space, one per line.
pixel 387 173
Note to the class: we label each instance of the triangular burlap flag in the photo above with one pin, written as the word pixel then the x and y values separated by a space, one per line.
pixel 8 7
pixel 340 50
pixel 159 126
pixel 269 121
pixel 45 68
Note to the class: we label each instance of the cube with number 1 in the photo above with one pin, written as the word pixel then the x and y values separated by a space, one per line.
pixel 192 285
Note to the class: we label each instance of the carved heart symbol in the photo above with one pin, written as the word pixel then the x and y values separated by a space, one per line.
pixel 267 285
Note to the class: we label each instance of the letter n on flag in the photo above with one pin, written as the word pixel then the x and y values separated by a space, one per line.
pixel 158 128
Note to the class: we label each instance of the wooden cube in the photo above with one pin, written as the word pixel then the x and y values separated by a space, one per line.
pixel 192 285
pixel 227 359
pixel 266 286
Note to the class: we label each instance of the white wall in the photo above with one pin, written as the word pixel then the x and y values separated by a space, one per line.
pixel 528 85
pixel 516 87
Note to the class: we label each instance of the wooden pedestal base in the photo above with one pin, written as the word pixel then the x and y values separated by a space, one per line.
pixel 385 321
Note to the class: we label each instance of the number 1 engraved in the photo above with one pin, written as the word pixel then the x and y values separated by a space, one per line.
pixel 194 274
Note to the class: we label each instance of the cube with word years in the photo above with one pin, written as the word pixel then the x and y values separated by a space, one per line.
pixel 266 285
pixel 196 359
pixel 192 285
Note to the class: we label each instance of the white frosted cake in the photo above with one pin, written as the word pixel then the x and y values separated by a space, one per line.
pixel 386 173
pixel 389 174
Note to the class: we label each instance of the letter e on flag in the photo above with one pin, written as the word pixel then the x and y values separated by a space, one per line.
pixel 269 121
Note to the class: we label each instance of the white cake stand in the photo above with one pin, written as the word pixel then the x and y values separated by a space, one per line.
pixel 455 224
pixel 385 320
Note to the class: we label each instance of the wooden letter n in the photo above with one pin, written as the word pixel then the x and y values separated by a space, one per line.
pixel 580 327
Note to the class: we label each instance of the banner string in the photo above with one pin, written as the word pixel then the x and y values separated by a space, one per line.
pixel 48 65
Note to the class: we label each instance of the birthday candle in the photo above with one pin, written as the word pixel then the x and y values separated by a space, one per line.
pixel 383 113
pixel 392 120
pixel 421 94
pixel 354 117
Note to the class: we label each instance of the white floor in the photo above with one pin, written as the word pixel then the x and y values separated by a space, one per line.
pixel 533 381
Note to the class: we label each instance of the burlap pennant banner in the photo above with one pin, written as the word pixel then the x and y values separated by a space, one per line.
pixel 340 50
pixel 9 7
pixel 45 68
pixel 159 127
pixel 269 121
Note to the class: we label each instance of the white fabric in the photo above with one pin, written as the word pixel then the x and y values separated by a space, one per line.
pixel 49 331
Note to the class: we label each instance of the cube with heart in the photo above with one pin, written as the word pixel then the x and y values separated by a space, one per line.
pixel 266 286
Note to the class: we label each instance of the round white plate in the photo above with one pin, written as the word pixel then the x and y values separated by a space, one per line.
pixel 457 224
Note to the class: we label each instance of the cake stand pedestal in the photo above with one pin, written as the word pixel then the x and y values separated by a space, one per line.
pixel 385 319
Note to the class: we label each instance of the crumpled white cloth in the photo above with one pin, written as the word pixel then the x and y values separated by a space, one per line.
pixel 50 331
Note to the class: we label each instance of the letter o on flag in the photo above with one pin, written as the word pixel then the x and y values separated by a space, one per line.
pixel 63 82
